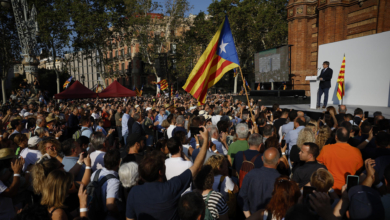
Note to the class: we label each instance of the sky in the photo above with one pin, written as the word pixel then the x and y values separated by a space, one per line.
pixel 199 5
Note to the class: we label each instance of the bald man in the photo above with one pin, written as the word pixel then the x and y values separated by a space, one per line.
pixel 258 184
pixel 341 114
pixel 341 158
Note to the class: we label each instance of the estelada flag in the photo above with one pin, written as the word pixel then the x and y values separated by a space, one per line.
pixel 67 83
pixel 163 84
pixel 247 85
pixel 219 57
pixel 340 81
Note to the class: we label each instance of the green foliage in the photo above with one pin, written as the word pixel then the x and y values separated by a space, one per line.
pixel 9 41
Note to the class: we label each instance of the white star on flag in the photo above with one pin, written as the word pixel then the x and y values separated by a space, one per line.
pixel 222 46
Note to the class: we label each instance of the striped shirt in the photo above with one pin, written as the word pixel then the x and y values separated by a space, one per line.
pixel 217 204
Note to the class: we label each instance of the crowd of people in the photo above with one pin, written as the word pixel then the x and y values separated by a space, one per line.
pixel 159 158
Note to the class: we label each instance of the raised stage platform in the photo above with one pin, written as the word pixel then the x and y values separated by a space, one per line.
pixel 282 97
pixel 350 108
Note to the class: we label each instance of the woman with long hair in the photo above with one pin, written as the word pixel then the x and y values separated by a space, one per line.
pixel 285 194
pixel 222 182
pixel 55 190
pixel 323 135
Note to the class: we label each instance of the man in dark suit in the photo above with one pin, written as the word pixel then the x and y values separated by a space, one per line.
pixel 325 78
pixel 137 125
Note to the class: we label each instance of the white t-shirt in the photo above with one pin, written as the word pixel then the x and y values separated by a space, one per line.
pixel 95 116
pixel 110 188
pixel 215 119
pixel 169 130
pixel 227 185
pixel 7 211
pixel 30 157
pixel 97 160
pixel 175 166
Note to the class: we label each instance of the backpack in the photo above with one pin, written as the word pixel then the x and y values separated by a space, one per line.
pixel 246 167
pixel 207 214
pixel 78 133
pixel 95 206
pixel 231 202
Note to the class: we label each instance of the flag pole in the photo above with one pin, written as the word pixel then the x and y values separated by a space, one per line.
pixel 246 93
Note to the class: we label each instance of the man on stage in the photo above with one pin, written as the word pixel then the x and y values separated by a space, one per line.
pixel 325 78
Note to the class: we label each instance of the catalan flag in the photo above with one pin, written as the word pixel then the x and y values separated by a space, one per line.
pixel 163 84
pixel 140 92
pixel 137 92
pixel 247 85
pixel 340 81
pixel 66 84
pixel 171 91
pixel 235 72
pixel 219 57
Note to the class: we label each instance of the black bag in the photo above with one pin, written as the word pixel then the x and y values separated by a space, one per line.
pixel 94 191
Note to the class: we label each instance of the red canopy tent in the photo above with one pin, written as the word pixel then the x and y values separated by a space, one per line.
pixel 76 91
pixel 116 90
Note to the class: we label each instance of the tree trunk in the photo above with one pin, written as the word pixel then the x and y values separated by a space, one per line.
pixel 3 89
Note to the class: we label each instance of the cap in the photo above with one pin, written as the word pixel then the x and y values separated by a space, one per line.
pixel 192 108
pixel 134 138
pixel 136 106
pixel 365 203
pixel 6 153
pixel 148 108
pixel 33 141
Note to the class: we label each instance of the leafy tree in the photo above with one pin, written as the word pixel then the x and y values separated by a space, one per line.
pixel 55 29
pixel 9 45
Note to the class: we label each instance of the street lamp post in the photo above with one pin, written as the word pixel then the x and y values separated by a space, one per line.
pixel 83 79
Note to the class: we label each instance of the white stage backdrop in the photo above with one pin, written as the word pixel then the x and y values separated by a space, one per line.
pixel 367 69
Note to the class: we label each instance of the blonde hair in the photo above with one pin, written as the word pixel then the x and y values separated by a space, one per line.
pixel 323 136
pixel 315 123
pixel 215 162
pixel 39 172
pixel 57 184
pixel 322 180
pixel 42 145
pixel 165 124
pixel 305 135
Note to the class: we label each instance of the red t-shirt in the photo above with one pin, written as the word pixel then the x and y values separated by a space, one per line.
pixel 107 122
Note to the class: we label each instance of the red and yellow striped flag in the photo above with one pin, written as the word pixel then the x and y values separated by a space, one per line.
pixel 163 84
pixel 219 57
pixel 340 81
pixel 171 91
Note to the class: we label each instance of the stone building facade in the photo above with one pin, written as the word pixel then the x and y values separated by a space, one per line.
pixel 315 22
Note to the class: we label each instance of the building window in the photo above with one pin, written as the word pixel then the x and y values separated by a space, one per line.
pixel 116 53
pixel 123 67
pixel 123 52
